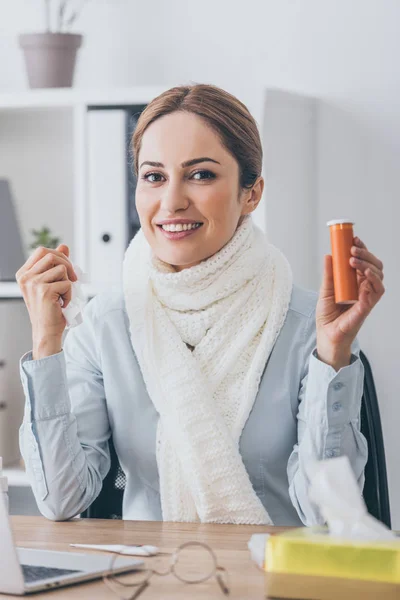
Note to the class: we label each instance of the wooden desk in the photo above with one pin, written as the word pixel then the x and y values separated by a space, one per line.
pixel 228 541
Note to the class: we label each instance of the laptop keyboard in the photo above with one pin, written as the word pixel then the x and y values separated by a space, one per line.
pixel 32 573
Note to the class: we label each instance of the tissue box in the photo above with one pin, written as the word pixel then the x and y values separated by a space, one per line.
pixel 309 564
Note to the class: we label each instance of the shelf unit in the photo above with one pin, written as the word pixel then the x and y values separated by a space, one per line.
pixel 16 476
pixel 9 290
pixel 22 115
pixel 75 103
pixel 74 97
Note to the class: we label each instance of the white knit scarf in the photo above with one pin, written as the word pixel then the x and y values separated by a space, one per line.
pixel 202 338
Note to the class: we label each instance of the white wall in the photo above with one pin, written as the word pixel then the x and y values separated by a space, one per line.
pixel 290 197
pixel 343 52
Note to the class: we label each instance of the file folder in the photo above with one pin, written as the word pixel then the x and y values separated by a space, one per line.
pixel 107 195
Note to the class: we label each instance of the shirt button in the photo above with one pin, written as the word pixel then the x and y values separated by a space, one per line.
pixel 338 386
pixel 336 406
pixel 330 453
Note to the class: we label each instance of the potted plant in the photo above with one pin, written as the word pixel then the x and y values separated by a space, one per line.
pixel 50 56
pixel 43 237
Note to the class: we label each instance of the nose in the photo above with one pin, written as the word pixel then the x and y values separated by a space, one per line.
pixel 173 197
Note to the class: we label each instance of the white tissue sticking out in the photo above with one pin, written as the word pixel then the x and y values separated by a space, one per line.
pixel 334 489
pixel 256 545
pixel 73 312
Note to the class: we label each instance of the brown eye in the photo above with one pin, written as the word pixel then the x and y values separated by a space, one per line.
pixel 203 175
pixel 152 177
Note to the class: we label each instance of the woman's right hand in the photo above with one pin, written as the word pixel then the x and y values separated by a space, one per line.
pixel 46 276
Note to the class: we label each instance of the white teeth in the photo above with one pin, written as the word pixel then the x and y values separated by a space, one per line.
pixel 180 226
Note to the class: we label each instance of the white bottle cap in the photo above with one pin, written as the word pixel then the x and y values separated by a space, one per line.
pixel 340 222
pixel 3 478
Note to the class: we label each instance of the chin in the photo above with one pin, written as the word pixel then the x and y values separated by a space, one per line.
pixel 180 262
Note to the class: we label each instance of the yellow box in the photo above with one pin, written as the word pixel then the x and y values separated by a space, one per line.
pixel 307 563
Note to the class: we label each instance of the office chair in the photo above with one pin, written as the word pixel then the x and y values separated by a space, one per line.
pixel 108 505
pixel 376 492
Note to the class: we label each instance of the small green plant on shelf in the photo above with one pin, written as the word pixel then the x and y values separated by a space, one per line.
pixel 44 237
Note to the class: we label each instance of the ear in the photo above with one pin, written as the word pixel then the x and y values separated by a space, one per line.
pixel 251 198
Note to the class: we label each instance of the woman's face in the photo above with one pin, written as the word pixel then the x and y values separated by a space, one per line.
pixel 188 196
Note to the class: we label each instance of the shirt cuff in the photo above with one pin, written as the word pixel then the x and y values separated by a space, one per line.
pixel 45 386
pixel 334 397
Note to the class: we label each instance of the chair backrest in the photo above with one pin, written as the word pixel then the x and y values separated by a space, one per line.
pixel 376 492
pixel 108 505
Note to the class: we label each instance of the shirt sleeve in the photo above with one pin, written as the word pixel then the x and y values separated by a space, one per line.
pixel 65 430
pixel 328 422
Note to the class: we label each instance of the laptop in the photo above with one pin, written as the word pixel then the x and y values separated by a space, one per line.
pixel 24 571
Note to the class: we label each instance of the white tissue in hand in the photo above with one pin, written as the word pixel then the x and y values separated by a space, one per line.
pixel 334 489
pixel 73 312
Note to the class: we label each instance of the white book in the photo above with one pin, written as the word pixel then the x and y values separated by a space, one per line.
pixel 108 196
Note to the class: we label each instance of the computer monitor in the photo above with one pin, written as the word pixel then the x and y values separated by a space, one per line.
pixel 12 255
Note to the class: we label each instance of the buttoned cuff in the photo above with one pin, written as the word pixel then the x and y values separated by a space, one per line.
pixel 45 386
pixel 334 397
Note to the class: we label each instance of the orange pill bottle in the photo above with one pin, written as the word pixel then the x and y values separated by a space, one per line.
pixel 344 275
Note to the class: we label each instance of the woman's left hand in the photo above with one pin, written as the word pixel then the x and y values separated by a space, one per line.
pixel 338 325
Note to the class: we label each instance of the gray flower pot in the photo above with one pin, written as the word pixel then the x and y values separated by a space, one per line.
pixel 50 58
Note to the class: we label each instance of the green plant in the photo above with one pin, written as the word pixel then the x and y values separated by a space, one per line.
pixel 66 15
pixel 44 238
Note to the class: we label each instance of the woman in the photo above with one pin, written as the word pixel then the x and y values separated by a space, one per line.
pixel 218 379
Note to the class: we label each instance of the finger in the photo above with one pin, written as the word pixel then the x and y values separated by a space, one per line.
pixel 57 273
pixel 362 266
pixel 50 259
pixel 327 286
pixel 364 254
pixel 354 317
pixel 359 243
pixel 375 281
pixel 64 249
pixel 39 253
pixel 61 289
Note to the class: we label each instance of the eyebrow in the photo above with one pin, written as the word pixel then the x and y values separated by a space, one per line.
pixel 187 163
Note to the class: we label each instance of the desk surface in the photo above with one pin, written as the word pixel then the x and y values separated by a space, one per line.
pixel 228 541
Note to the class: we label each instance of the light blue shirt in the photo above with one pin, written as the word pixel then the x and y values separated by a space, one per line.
pixel 76 399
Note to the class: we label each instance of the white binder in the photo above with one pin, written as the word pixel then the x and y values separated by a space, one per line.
pixel 108 196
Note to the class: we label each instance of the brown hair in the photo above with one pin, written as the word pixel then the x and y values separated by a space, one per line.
pixel 224 113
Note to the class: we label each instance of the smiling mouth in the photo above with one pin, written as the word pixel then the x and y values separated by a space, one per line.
pixel 180 231
pixel 179 227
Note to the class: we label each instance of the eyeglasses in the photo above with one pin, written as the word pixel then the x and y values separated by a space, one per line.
pixel 183 564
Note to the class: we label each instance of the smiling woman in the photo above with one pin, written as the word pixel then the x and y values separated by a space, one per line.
pixel 194 169
pixel 219 380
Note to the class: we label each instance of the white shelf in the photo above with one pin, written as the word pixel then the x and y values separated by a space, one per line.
pixel 74 97
pixel 16 476
pixel 12 290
